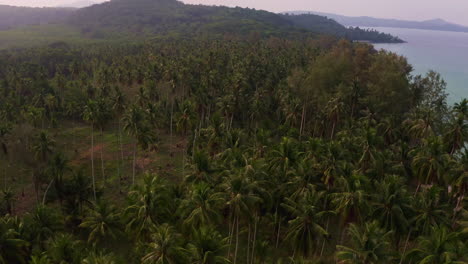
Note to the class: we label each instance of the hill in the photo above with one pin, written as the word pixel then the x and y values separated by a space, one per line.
pixel 326 25
pixel 13 16
pixel 365 21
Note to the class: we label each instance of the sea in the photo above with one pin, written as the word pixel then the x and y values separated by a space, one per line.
pixel 441 51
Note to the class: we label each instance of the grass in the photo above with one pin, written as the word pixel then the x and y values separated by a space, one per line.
pixel 74 141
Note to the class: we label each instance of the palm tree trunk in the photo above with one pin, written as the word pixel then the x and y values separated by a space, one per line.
pixel 248 245
pixel 172 115
pixel 237 239
pixel 254 238
pixel 324 240
pixel 134 162
pixel 302 122
pixel 92 161
pixel 46 191
pixel 102 159
pixel 406 245
pixel 231 232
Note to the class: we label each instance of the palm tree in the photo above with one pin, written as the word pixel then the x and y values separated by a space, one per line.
pixel 4 131
pixel 351 198
pixel 58 165
pixel 430 209
pixel 165 248
pixel 103 223
pixel 135 124
pixel 8 198
pixel 391 205
pixel 63 248
pixel 99 258
pixel 43 223
pixel 369 244
pixel 430 161
pixel 309 214
pixel 207 246
pixel 90 114
pixel 441 246
pixel 149 205
pixel 12 247
pixel 44 146
pixel 241 197
pixel 118 106
pixel 40 259
pixel 203 206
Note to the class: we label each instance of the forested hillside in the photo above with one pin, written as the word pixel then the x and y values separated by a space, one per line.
pixel 167 19
pixel 225 144
pixel 260 151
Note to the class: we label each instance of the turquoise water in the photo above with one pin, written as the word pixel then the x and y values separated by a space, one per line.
pixel 444 52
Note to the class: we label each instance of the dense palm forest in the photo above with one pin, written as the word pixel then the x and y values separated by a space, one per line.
pixel 246 149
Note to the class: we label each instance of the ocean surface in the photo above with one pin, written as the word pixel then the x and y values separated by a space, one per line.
pixel 443 52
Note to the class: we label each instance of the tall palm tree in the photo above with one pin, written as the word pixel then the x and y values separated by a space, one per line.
pixel 165 248
pixel 103 223
pixel 135 123
pixel 207 246
pixel 309 214
pixel 369 244
pixel 90 114
pixel 118 106
pixel 241 198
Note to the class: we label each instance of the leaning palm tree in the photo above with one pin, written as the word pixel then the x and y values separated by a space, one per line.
pixel 207 246
pixel 165 248
pixel 369 244
pixel 103 223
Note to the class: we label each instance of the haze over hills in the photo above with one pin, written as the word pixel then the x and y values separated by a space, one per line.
pixel 13 16
pixel 365 21
pixel 79 4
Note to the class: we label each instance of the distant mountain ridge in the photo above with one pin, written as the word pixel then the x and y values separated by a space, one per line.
pixel 366 21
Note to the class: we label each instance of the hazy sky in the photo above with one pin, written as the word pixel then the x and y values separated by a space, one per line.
pixel 451 10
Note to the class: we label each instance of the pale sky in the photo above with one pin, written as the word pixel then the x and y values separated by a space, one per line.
pixel 450 10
